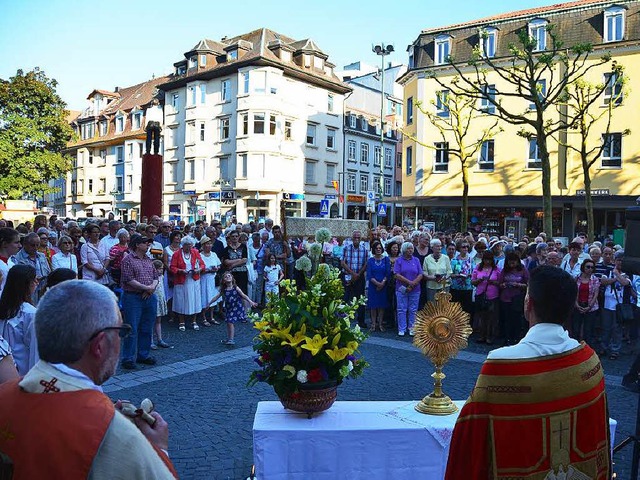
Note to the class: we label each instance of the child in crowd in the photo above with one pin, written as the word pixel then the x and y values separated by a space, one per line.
pixel 273 274
pixel 232 297
pixel 162 308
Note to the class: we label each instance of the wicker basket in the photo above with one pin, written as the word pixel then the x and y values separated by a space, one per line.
pixel 310 400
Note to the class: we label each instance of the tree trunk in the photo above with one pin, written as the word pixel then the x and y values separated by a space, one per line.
pixel 464 222
pixel 588 200
pixel 547 202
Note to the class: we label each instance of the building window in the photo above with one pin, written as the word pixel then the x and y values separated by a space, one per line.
pixel 387 158
pixel 224 128
pixel 287 130
pixel 613 89
pixel 364 153
pixel 331 174
pixel 488 100
pixel 398 159
pixel 398 189
pixel 331 138
pixel 244 119
pixel 120 154
pixel 130 151
pixel 90 185
pixel 137 120
pixel 202 129
pixel 376 184
pixel 612 151
pixel 442 103
pixel 534 154
pixel 311 134
pixel 488 42
pixel 485 162
pixel 190 170
pixel 203 93
pixel 90 152
pixel 441 157
pixel 203 60
pixel 224 167
pixel 352 121
pixel 259 82
pixel 103 155
pixel 376 156
pixel 613 24
pixel 193 62
pixel 351 182
pixel 244 165
pixel 129 183
pixel 119 186
pixel 310 172
pixel 175 102
pixel 119 124
pixel 364 124
pixel 272 124
pixel 258 123
pixel 387 187
pixel 541 87
pixel 181 70
pixel 538 34
pixel 226 90
pixel 409 160
pixel 364 183
pixel 245 82
pixel 411 50
pixel 191 96
pixel 351 149
pixel 103 128
pixel 232 54
pixel 191 133
pixel 409 110
pixel 442 49
pixel 330 103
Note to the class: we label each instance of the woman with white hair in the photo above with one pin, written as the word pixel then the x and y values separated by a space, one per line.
pixel 186 267
pixel 65 258
pixel 437 270
pixel 408 273
pixel 117 253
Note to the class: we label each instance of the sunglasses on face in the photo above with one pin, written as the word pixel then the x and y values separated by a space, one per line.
pixel 123 331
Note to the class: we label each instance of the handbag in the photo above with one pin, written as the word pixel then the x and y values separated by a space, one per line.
pixel 625 312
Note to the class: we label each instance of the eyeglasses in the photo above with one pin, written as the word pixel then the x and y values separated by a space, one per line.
pixel 123 331
pixel 589 267
pixel 464 246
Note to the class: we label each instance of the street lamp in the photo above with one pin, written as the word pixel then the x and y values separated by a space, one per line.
pixel 382 50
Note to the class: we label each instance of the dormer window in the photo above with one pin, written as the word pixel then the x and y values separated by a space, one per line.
pixel 538 34
pixel 193 62
pixel 137 120
pixel 411 52
pixel 119 124
pixel 181 70
pixel 103 128
pixel 318 63
pixel 442 49
pixel 285 56
pixel 307 60
pixel 232 54
pixel 352 121
pixel 613 24
pixel 203 60
pixel 364 124
pixel 487 42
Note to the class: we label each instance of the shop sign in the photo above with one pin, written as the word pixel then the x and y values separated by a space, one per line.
pixel 188 192
pixel 214 195
pixel 596 192
pixel 292 196
pixel 355 198
pixel 228 195
pixel 229 202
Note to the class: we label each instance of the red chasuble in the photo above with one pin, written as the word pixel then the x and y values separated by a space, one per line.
pixel 534 419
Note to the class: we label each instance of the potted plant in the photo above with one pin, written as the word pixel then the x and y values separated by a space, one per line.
pixel 306 345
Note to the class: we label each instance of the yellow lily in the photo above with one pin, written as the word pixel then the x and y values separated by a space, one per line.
pixel 315 344
pixel 276 333
pixel 295 340
pixel 336 354
pixel 336 339
pixel 352 347
pixel 261 325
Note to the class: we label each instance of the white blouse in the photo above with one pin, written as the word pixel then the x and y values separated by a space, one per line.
pixel 60 260
pixel 20 333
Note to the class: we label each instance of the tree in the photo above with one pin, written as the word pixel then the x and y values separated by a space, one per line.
pixel 539 78
pixel 453 118
pixel 580 96
pixel 33 134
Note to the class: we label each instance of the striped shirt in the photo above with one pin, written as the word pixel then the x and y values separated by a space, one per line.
pixel 355 257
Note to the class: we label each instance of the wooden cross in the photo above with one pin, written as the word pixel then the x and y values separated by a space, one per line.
pixel 50 386
pixel 560 431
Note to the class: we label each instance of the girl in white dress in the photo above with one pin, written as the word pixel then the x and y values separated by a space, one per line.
pixel 208 280
pixel 162 309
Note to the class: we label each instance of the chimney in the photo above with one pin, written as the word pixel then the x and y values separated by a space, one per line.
pixel 116 89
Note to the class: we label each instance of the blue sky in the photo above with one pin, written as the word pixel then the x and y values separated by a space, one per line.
pixel 103 44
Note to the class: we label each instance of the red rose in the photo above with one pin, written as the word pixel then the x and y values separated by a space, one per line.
pixel 314 376
pixel 266 357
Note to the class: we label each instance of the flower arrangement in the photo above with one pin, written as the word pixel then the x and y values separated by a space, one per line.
pixel 305 338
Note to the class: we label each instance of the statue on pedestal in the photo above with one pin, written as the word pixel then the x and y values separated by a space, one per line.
pixel 154 118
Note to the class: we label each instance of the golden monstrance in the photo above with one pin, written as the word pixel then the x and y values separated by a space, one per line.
pixel 441 330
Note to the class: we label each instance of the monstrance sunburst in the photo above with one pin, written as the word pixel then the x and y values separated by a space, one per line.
pixel 441 330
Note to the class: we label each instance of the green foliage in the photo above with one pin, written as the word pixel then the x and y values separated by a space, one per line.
pixel 33 133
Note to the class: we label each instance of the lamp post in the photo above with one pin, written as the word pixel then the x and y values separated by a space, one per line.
pixel 382 50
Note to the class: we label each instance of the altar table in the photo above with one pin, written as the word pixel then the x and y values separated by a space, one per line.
pixel 353 440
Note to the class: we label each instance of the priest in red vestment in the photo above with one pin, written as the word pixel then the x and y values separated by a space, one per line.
pixel 539 408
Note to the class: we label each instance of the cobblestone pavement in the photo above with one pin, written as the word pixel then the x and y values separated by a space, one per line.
pixel 199 387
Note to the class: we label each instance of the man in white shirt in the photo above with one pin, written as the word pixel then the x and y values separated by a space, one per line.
pixel 108 241
pixel 268 226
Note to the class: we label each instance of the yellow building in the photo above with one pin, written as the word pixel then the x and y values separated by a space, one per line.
pixel 505 187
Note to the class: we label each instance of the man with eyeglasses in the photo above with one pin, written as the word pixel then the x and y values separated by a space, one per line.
pixel 138 280
pixel 75 431
pixel 29 255
pixel 163 237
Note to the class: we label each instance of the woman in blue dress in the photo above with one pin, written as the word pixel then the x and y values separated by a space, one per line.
pixel 378 276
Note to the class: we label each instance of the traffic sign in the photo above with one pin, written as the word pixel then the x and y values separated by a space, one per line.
pixel 371 195
pixel 324 207
pixel 330 196
pixel 214 195
pixel 382 209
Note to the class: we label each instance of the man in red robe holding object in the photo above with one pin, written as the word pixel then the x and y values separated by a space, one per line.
pixel 539 409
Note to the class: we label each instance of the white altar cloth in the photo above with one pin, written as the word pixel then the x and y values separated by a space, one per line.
pixel 353 440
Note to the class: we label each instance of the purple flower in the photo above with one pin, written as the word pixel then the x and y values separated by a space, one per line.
pixel 351 357
pixel 260 376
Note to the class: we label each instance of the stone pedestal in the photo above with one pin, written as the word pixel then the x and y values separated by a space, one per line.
pixel 151 186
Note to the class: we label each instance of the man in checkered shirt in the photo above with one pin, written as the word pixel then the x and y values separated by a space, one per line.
pixel 354 264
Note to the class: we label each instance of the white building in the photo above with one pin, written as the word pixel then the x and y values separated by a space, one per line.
pixel 370 155
pixel 257 120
